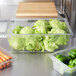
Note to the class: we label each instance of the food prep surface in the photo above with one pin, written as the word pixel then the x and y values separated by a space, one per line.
pixel 36 10
pixel 28 64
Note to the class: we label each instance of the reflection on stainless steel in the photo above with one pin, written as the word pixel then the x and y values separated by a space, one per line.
pixel 61 12
pixel 57 2
pixel 68 5
pixel 73 17
pixel 70 11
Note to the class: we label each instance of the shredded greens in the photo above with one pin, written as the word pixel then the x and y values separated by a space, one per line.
pixel 40 42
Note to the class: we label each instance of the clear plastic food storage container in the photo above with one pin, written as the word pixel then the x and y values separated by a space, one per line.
pixel 38 35
pixel 6 59
pixel 60 66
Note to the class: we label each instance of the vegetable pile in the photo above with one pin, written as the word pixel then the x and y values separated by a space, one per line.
pixel 3 59
pixel 68 60
pixel 40 42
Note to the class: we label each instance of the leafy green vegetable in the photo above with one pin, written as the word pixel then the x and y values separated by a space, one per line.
pixel 49 44
pixel 39 46
pixel 40 42
pixel 17 29
pixel 32 44
pixel 59 39
pixel 41 27
pixel 17 42
pixel 39 38
pixel 27 30
pixel 54 23
pixel 57 31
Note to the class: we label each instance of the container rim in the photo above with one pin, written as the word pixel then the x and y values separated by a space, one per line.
pixel 13 57
pixel 60 51
pixel 31 19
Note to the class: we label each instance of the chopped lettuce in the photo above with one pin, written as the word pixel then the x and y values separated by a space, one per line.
pixel 39 46
pixel 54 23
pixel 17 29
pixel 49 42
pixel 59 39
pixel 39 38
pixel 41 26
pixel 32 44
pixel 29 43
pixel 57 31
pixel 27 30
pixel 17 42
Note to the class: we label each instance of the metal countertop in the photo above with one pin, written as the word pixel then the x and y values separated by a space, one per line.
pixel 29 64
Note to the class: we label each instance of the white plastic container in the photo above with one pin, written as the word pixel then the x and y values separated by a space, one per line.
pixel 60 66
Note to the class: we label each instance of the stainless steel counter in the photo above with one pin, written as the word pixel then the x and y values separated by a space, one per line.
pixel 29 64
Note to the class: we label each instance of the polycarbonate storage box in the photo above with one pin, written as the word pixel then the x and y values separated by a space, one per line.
pixel 30 22
pixel 60 66
pixel 6 63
